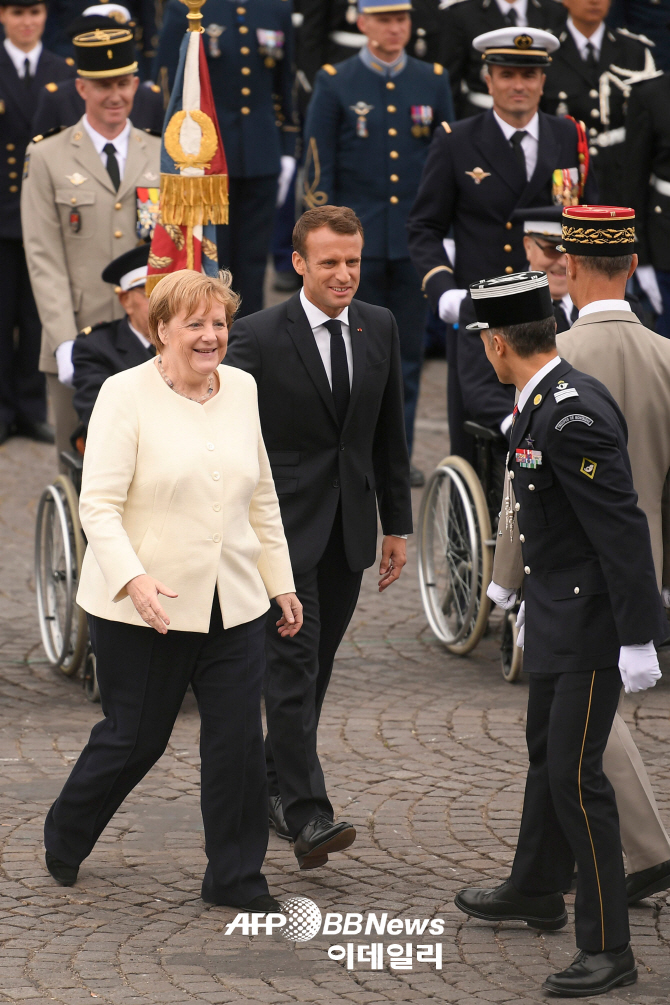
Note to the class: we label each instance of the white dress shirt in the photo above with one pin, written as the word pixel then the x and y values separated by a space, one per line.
pixel 535 380
pixel 567 305
pixel 581 41
pixel 19 57
pixel 605 305
pixel 143 339
pixel 520 7
pixel 529 143
pixel 120 144
pixel 316 319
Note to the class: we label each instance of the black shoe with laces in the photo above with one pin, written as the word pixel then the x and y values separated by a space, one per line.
pixel 505 903
pixel 277 819
pixel 319 837
pixel 594 974
pixel 64 874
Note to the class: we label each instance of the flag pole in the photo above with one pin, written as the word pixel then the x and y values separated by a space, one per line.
pixel 194 16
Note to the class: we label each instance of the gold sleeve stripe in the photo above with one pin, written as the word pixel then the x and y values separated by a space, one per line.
pixel 429 275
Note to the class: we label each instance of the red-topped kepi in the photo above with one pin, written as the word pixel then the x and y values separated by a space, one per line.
pixel 605 231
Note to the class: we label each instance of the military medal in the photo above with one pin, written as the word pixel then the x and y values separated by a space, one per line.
pixel 565 186
pixel 422 117
pixel 147 212
pixel 75 221
pixel 361 109
pixel 526 457
pixel 270 45
pixel 214 32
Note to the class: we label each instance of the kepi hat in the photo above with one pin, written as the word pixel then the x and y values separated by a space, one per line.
pixel 105 52
pixel 104 15
pixel 516 46
pixel 541 221
pixel 128 270
pixel 511 300
pixel 603 231
pixel 381 7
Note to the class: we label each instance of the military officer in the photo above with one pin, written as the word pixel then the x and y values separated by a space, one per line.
pixel 593 618
pixel 249 49
pixel 25 66
pixel 646 180
pixel 464 20
pixel 89 193
pixel 140 19
pixel 590 78
pixel 477 173
pixel 645 17
pixel 367 135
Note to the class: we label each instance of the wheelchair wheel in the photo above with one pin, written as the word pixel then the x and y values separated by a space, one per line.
pixel 455 555
pixel 59 553
pixel 511 656
pixel 90 677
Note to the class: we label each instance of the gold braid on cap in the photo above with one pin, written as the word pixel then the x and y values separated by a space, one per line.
pixel 591 235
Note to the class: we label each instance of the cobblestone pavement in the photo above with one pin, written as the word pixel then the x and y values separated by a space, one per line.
pixel 423 752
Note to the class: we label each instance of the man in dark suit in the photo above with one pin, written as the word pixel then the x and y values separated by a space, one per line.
pixel 112 346
pixel 25 67
pixel 330 398
pixel 463 21
pixel 477 173
pixel 593 617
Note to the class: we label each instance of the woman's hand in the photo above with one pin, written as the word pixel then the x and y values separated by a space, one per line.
pixel 144 591
pixel 290 622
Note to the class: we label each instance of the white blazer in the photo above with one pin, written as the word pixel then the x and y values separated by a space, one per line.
pixel 183 492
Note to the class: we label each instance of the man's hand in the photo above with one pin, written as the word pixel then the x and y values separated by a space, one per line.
pixel 290 622
pixel 638 666
pixel 64 363
pixel 144 591
pixel 501 596
pixel 449 305
pixel 394 556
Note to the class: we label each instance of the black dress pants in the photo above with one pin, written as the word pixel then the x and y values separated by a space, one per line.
pixel 244 243
pixel 143 677
pixel 569 809
pixel 22 386
pixel 297 677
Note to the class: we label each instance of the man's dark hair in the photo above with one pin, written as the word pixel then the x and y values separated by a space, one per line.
pixel 529 338
pixel 341 219
pixel 610 265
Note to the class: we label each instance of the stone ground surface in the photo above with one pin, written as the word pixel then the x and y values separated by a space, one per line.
pixel 423 751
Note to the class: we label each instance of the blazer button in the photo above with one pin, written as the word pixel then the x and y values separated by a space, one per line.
pixel 517 506
pixel 118 205
pixel 394 199
pixel 217 507
pixel 210 446
pixel 215 475
pixel 118 233
pixel 336 483
pixel 526 569
pixel 216 538
pixel 509 269
pixel 522 538
pixel 576 589
pixel 531 488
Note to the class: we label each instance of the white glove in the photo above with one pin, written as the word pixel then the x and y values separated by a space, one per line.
pixel 285 178
pixel 646 277
pixel 521 625
pixel 501 596
pixel 449 305
pixel 64 362
pixel 638 666
pixel 665 594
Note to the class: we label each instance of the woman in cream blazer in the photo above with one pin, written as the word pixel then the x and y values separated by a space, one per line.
pixel 185 549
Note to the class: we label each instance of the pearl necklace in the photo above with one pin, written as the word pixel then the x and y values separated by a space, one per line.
pixel 210 389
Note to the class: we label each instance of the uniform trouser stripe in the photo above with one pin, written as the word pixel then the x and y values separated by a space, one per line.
pixel 581 803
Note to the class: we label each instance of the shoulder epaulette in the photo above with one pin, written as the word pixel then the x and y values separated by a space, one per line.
pixel 86 331
pixel 446 127
pixel 69 60
pixel 329 68
pixel 36 139
pixel 155 88
pixel 438 69
pixel 638 38
pixel 51 87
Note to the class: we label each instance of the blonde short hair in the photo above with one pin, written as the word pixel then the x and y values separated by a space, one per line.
pixel 185 290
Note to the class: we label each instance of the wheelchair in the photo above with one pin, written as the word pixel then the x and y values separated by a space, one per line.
pixel 458 522
pixel 59 552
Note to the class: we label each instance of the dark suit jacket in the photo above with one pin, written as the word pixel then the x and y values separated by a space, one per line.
pixel 63 107
pixel 98 354
pixel 315 464
pixel 18 102
pixel 647 153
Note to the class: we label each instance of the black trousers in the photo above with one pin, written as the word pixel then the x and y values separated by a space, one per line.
pixel 569 809
pixel 244 243
pixel 22 386
pixel 143 677
pixel 297 677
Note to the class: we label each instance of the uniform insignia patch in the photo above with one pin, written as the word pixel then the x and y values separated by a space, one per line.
pixel 478 174
pixel 151 176
pixel 528 458
pixel 422 117
pixel 588 467
pixel 76 178
pixel 575 417
pixel 77 136
pixel 537 399
pixel 147 212
pixel 563 391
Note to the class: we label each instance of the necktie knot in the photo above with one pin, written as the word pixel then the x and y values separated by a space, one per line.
pixel 26 72
pixel 334 326
pixel 511 18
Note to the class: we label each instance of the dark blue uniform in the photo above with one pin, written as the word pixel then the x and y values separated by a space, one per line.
pixel 367 137
pixel 22 388
pixel 249 55
pixel 473 183
pixel 100 352
pixel 62 13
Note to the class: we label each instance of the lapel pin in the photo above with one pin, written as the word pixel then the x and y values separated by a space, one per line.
pixel 359 329
pixel 537 399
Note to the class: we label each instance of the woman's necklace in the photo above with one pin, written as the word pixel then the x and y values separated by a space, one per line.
pixel 170 384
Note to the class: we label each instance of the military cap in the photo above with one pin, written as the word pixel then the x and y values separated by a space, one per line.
pixel 106 15
pixel 516 46
pixel 381 7
pixel 20 3
pixel 603 231
pixel 511 300
pixel 130 269
pixel 105 52
pixel 540 221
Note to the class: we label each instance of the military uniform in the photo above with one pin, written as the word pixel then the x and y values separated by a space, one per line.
pixel 59 106
pixel 22 391
pixel 250 60
pixel 367 136
pixel 463 21
pixel 597 95
pixel 644 17
pixel 63 13
pixel 99 352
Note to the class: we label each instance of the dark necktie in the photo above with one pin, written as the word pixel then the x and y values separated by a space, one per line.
pixel 515 143
pixel 591 60
pixel 26 76
pixel 112 164
pixel 510 18
pixel 339 369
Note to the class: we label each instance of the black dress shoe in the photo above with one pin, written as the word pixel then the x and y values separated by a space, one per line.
pixel 506 904
pixel 65 875
pixel 264 904
pixel 594 974
pixel 5 432
pixel 642 884
pixel 40 431
pixel 417 479
pixel 318 838
pixel 276 815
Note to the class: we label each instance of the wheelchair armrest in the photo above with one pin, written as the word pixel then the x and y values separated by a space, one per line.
pixel 73 461
pixel 483 432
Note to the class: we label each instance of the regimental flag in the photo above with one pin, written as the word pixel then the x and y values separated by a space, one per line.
pixel 194 174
